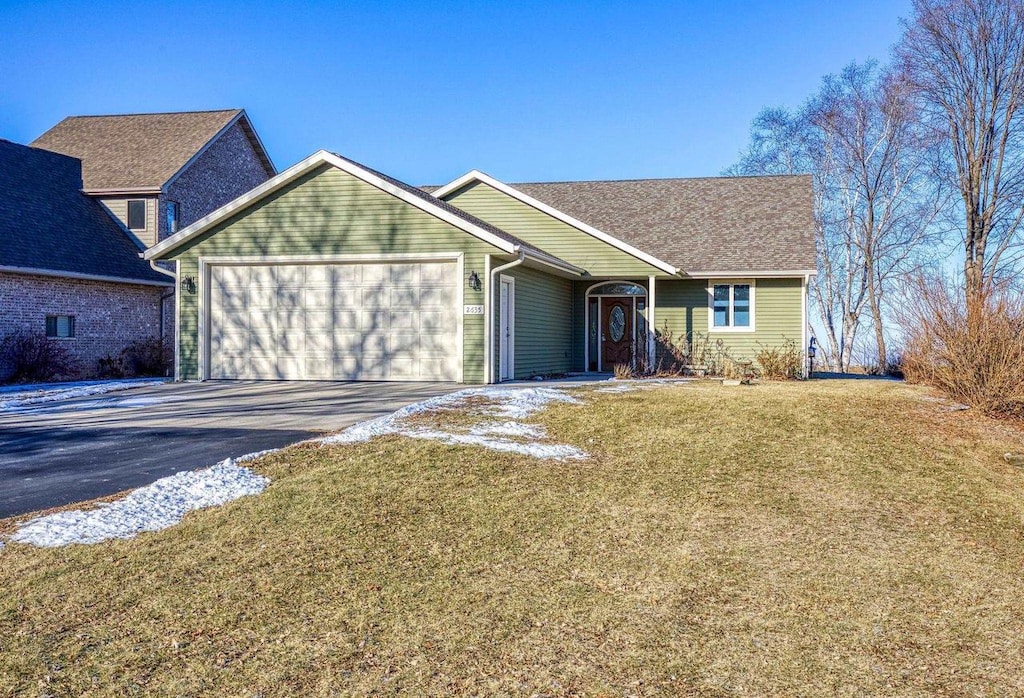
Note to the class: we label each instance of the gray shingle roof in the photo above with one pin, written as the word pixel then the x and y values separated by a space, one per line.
pixel 46 222
pixel 743 224
pixel 135 151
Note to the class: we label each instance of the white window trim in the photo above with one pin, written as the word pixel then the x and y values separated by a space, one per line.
pixel 711 305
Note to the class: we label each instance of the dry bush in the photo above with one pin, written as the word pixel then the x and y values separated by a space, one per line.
pixel 623 371
pixel 971 350
pixel 783 362
pixel 29 357
pixel 143 357
pixel 683 354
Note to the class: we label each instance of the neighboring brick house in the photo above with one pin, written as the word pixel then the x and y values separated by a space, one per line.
pixel 157 173
pixel 149 175
pixel 67 269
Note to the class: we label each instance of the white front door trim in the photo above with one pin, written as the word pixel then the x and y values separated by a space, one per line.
pixel 586 317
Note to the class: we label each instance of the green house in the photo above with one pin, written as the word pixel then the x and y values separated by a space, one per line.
pixel 333 271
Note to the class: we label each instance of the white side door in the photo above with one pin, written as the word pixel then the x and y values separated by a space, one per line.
pixel 506 328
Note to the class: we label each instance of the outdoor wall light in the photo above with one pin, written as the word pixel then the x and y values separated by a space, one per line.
pixel 474 281
pixel 188 284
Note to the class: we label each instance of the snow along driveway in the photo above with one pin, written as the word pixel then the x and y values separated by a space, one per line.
pixel 14 397
pixel 164 503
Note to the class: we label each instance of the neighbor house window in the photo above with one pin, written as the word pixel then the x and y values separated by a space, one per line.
pixel 172 216
pixel 731 306
pixel 60 326
pixel 137 214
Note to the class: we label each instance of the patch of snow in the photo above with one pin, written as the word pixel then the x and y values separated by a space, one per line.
pixel 531 431
pixel 389 424
pixel 537 450
pixel 520 403
pixel 24 397
pixel 150 508
pixel 508 404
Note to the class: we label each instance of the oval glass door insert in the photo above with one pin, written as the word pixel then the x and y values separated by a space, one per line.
pixel 617 323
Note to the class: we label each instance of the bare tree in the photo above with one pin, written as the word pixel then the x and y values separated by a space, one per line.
pixel 874 204
pixel 965 59
pixel 878 192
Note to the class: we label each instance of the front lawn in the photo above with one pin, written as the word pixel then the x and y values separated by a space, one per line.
pixel 822 538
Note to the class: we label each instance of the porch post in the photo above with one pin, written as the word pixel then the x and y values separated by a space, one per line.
pixel 651 352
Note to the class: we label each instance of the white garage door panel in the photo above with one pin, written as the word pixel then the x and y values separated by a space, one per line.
pixel 335 321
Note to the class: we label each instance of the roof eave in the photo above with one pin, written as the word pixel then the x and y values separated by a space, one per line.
pixel 124 191
pixel 750 274
pixel 36 271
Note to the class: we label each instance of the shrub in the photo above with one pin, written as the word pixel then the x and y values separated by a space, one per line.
pixel 31 357
pixel 143 357
pixel 111 367
pixel 147 357
pixel 783 362
pixel 973 351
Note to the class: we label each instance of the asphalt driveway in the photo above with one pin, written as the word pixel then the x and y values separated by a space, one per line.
pixel 58 453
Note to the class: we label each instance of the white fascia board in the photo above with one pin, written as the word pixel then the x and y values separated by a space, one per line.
pixel 134 191
pixel 478 176
pixel 553 262
pixel 318 158
pixel 783 274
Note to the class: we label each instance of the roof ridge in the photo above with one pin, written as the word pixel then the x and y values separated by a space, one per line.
pixel 658 179
pixel 153 113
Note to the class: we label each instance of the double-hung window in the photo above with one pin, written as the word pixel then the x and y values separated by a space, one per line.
pixel 731 306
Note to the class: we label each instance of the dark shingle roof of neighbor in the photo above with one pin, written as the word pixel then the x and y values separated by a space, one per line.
pixel 705 224
pixel 421 193
pixel 47 223
pixel 743 224
pixel 136 151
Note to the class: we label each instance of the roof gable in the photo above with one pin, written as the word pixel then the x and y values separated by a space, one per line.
pixel 411 195
pixel 47 224
pixel 141 152
pixel 452 190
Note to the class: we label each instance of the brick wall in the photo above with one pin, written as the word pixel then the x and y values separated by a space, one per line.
pixel 228 169
pixel 108 316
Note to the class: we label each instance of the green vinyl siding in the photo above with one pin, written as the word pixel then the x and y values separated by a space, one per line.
pixel 548 233
pixel 543 323
pixel 330 212
pixel 778 313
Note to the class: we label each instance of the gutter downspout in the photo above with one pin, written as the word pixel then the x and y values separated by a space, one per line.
pixel 489 344
pixel 163 298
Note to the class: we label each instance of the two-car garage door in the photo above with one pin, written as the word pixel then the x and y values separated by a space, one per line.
pixel 395 321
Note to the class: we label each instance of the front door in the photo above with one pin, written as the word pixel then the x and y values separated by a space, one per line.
pixel 616 332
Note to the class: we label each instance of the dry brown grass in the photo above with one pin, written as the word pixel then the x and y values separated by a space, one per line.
pixel 822 538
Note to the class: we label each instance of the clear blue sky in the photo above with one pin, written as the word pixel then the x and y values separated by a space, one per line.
pixel 426 91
